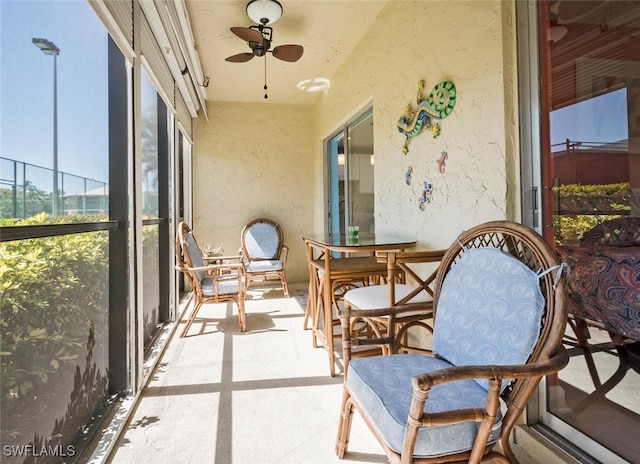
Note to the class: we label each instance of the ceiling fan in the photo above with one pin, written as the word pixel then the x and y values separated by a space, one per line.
pixel 260 37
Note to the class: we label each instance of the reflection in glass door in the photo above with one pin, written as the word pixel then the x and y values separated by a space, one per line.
pixel 350 183
pixel 183 193
pixel 360 162
pixel 336 158
pixel 591 164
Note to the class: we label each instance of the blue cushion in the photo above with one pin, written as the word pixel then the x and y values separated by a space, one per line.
pixel 489 311
pixel 261 241
pixel 377 296
pixel 195 255
pixel 382 387
pixel 227 286
pixel 264 266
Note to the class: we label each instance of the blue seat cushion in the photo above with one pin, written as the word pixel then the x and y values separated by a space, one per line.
pixel 377 296
pixel 270 265
pixel 226 286
pixel 381 385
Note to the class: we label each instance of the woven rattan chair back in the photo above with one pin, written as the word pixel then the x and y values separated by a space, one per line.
pixel 390 380
pixel 530 248
pixel 264 251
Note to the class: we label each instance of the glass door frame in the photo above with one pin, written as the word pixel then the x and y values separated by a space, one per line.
pixel 333 217
pixel 333 159
pixel 534 136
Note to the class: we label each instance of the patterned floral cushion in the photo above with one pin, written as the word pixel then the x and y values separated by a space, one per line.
pixel 489 311
pixel 382 387
pixel 604 286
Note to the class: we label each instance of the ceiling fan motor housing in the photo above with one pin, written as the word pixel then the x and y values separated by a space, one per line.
pixel 260 48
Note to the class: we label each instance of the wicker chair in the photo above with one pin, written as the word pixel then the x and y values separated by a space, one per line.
pixel 418 295
pixel 499 321
pixel 213 283
pixel 264 252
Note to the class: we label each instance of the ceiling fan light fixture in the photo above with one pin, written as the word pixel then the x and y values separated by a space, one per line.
pixel 264 11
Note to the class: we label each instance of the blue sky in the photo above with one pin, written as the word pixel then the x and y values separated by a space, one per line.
pixel 600 119
pixel 26 91
pixel 26 86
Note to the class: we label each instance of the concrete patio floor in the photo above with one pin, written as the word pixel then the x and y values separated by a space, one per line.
pixel 265 396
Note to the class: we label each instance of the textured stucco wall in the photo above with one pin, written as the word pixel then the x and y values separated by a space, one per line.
pixel 276 167
pixel 254 160
pixel 449 40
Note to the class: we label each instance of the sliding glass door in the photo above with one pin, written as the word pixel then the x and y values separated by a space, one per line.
pixel 350 179
pixel 584 197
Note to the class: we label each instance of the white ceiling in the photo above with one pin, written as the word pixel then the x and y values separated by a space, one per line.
pixel 327 29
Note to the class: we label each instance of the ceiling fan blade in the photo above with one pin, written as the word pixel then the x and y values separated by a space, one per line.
pixel 289 53
pixel 240 58
pixel 248 35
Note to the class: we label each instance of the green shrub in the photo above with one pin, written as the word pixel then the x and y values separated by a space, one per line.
pixel 592 190
pixel 53 291
pixel 569 228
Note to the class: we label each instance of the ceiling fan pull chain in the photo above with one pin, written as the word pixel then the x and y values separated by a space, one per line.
pixel 265 77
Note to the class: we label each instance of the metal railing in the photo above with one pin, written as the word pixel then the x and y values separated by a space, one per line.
pixel 571 146
pixel 27 189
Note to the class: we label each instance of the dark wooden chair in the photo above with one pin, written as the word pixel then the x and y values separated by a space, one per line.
pixel 500 311
pixel 223 280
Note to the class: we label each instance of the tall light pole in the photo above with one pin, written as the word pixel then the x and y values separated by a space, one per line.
pixel 49 48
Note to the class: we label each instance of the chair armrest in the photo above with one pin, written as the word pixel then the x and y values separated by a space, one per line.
pixel 423 256
pixel 212 267
pixel 229 258
pixel 388 339
pixel 283 254
pixel 486 416
pixel 424 382
pixel 221 258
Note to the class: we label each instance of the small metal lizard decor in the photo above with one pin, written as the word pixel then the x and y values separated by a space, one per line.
pixel 439 105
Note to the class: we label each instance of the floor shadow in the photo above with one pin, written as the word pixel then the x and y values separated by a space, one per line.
pixel 592 406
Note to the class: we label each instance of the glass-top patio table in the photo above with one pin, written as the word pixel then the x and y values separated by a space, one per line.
pixel 336 259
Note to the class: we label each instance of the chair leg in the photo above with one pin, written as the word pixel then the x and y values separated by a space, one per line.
pixel 242 316
pixel 191 318
pixel 308 309
pixel 506 456
pixel 285 287
pixel 248 281
pixel 344 425
pixel 317 309
pixel 311 300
